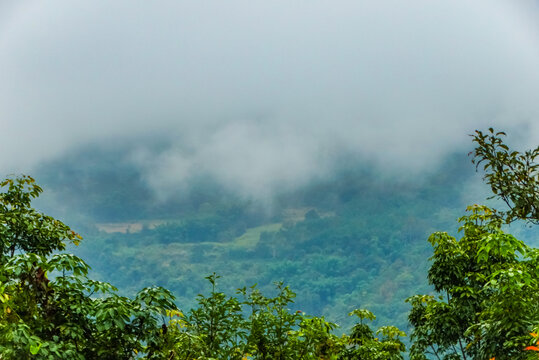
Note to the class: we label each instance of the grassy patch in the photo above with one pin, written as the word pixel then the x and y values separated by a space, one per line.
pixel 252 235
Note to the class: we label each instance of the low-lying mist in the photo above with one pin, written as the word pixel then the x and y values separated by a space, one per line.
pixel 104 184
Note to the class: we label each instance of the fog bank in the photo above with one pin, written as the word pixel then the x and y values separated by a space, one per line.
pixel 264 95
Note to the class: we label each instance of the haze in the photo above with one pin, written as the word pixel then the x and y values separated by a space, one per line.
pixel 263 94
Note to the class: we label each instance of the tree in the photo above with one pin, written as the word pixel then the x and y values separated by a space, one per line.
pixel 486 283
pixel 513 176
pixel 219 329
pixel 264 328
pixel 365 346
pixel 49 308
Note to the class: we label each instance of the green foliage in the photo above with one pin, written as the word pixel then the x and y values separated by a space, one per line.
pixel 50 309
pixel 260 327
pixel 365 248
pixel 363 345
pixel 487 282
pixel 512 175
pixel 219 329
pixel 23 228
pixel 217 324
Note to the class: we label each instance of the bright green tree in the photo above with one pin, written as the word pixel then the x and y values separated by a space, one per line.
pixel 365 344
pixel 265 328
pixel 49 308
pixel 513 176
pixel 257 327
pixel 487 282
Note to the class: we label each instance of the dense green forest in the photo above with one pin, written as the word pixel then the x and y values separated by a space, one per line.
pixel 343 245
pixel 355 240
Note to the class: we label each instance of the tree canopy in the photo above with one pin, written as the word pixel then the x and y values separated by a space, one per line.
pixel 487 282
pixel 513 176
pixel 50 309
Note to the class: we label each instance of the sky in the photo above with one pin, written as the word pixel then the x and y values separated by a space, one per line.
pixel 264 94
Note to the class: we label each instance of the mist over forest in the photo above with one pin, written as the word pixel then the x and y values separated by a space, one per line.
pixel 356 239
pixel 311 142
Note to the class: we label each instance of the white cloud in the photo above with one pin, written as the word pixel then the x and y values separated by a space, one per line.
pixel 264 94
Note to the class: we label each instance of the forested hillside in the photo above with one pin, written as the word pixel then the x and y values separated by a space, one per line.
pixel 269 180
pixel 480 302
pixel 355 240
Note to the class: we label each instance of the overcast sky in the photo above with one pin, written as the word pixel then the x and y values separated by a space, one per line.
pixel 264 93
